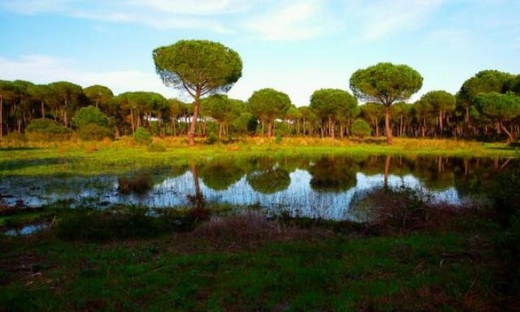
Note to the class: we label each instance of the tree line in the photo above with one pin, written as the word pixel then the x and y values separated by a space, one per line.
pixel 487 106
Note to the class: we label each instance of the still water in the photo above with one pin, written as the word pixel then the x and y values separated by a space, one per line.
pixel 320 187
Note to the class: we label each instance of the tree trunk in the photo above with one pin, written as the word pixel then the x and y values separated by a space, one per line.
pixel 510 135
pixel 387 169
pixel 331 129
pixel 191 132
pixel 387 125
pixel 440 124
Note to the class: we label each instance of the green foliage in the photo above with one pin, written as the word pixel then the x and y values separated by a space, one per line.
pixel 193 64
pixel 269 104
pixel 155 148
pixel 92 132
pixel 90 115
pixel 98 95
pixel 46 130
pixel 497 106
pixel 142 136
pixel 98 226
pixel 329 103
pixel 212 138
pixel 385 83
pixel 360 128
pixel 504 193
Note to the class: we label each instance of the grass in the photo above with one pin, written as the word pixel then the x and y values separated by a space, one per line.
pixel 118 156
pixel 246 263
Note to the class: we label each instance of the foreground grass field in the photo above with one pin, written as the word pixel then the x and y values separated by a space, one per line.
pixel 246 263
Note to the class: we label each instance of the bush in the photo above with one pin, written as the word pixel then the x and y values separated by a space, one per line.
pixel 46 130
pixel 96 225
pixel 15 138
pixel 212 138
pixel 138 185
pixel 93 132
pixel 90 115
pixel 504 193
pixel 360 128
pixel 142 136
pixel 156 148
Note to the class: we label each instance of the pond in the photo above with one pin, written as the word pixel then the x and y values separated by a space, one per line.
pixel 318 187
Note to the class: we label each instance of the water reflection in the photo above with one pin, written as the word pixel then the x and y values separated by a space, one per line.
pixel 321 187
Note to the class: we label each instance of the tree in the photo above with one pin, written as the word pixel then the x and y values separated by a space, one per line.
pixel 386 83
pixel 360 128
pixel 99 95
pixel 441 102
pixel 269 104
pixel 7 94
pixel 327 104
pixel 90 115
pixel 484 81
pixel 373 113
pixel 70 96
pixel 500 108
pixel 199 67
pixel 218 106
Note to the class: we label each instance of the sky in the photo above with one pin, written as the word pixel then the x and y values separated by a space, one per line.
pixel 293 46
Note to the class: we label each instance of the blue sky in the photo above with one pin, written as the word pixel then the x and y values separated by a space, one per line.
pixel 294 46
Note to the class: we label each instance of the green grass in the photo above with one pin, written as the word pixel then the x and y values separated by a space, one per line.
pixel 250 264
pixel 118 156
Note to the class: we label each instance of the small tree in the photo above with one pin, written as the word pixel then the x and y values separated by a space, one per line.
pixel 90 115
pixel 199 67
pixel 360 128
pixel 142 136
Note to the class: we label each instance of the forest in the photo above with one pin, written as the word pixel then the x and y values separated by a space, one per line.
pixel 486 108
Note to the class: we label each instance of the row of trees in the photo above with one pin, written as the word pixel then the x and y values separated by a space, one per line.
pixel 487 104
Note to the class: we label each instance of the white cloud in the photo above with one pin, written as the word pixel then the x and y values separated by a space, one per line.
pixel 293 21
pixel 44 69
pixel 381 18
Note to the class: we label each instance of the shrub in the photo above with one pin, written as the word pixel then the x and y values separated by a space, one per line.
pixel 504 193
pixel 138 184
pixel 46 130
pixel 96 225
pixel 360 128
pixel 93 132
pixel 156 148
pixel 15 138
pixel 142 136
pixel 90 115
pixel 212 138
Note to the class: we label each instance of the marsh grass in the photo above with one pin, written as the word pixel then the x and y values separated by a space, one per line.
pixel 133 259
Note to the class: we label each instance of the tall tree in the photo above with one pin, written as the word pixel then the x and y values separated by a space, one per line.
pixel 500 108
pixel 7 94
pixel 99 96
pixel 386 83
pixel 441 102
pixel 484 81
pixel 70 97
pixel 373 113
pixel 327 104
pixel 199 67
pixel 269 104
